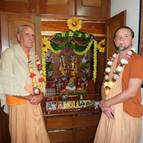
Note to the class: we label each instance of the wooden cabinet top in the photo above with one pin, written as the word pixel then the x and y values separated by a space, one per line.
pixel 96 9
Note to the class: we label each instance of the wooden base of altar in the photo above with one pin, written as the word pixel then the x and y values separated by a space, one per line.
pixel 72 127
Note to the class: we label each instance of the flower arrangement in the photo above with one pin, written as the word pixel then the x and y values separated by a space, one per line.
pixel 74 39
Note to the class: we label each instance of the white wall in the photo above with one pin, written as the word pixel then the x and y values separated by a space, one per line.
pixel 132 7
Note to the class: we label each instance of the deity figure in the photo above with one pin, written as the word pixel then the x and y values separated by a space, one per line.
pixel 73 66
pixel 62 67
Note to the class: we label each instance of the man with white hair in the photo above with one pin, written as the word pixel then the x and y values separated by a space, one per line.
pixel 22 85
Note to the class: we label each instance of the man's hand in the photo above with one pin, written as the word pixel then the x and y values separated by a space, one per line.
pixel 36 99
pixel 109 113
pixel 106 109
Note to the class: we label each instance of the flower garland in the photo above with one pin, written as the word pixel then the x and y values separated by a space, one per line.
pixel 110 82
pixel 95 61
pixel 37 82
pixel 45 47
pixel 80 42
pixel 86 50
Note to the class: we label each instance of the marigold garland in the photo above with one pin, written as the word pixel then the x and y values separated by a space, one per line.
pixel 38 83
pixel 43 54
pixel 95 61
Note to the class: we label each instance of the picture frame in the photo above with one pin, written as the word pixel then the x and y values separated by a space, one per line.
pixel 140 41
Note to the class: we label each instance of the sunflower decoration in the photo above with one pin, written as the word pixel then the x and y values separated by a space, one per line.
pixel 46 44
pixel 74 24
pixel 101 46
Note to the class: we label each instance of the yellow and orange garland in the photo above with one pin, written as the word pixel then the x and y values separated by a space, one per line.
pixel 38 82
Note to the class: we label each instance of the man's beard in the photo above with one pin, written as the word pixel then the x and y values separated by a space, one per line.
pixel 121 48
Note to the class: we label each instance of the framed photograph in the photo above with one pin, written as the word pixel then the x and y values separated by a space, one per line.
pixel 51 105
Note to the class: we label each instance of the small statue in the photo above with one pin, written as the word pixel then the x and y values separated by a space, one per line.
pixel 73 66
pixel 62 67
pixel 71 85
